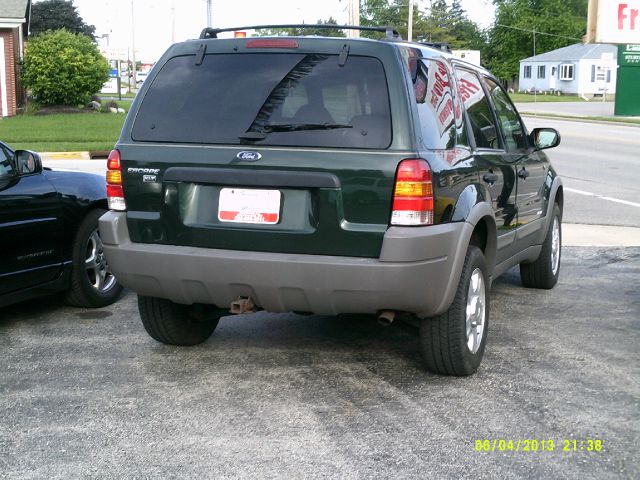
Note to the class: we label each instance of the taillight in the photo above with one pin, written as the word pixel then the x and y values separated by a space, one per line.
pixel 413 194
pixel 115 194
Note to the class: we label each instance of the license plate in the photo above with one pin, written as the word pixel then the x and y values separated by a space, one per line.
pixel 243 205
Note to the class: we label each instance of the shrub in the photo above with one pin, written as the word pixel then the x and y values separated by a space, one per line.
pixel 107 106
pixel 62 68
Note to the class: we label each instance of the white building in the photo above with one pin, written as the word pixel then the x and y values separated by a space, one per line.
pixel 580 69
pixel 471 56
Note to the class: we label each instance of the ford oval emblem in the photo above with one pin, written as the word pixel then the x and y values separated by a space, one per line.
pixel 248 156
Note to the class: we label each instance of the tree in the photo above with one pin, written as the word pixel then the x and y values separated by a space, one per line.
pixel 440 23
pixel 63 68
pixel 57 14
pixel 383 13
pixel 466 32
pixel 392 13
pixel 556 23
pixel 325 32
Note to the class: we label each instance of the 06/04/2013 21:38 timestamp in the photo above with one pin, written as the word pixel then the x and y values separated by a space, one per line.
pixel 538 445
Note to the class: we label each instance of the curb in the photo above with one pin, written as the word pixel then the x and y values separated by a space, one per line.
pixel 65 155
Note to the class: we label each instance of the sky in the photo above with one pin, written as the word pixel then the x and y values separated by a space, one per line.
pixel 154 30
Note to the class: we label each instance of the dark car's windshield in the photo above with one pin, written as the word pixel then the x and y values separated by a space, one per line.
pixel 247 98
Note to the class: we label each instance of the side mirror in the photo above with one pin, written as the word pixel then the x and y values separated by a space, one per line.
pixel 542 138
pixel 27 162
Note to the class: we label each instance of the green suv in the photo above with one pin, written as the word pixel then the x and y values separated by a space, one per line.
pixel 328 176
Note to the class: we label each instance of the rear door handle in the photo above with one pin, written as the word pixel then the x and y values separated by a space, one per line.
pixel 524 173
pixel 490 177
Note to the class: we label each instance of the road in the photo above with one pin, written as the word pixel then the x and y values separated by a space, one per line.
pixel 600 167
pixel 87 394
pixel 94 166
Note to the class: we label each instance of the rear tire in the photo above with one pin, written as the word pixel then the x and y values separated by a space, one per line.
pixel 92 283
pixel 453 343
pixel 544 272
pixel 176 324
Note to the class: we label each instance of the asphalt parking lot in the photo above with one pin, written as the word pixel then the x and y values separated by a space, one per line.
pixel 87 394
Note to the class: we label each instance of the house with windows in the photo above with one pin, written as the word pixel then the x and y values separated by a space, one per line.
pixel 14 26
pixel 581 69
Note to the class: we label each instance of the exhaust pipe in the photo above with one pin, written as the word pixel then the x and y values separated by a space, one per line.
pixel 242 305
pixel 386 317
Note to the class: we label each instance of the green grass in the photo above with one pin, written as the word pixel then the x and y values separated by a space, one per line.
pixel 62 132
pixel 541 98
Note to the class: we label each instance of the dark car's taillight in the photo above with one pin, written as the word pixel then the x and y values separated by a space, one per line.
pixel 115 193
pixel 413 194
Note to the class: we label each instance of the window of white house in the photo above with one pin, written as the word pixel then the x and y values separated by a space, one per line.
pixel 527 71
pixel 541 71
pixel 553 71
pixel 566 71
pixel 599 74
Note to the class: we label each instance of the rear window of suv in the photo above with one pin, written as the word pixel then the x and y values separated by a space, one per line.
pixel 268 99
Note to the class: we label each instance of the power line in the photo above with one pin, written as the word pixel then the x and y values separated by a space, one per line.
pixel 537 32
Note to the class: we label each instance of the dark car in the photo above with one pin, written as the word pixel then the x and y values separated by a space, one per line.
pixel 49 240
pixel 328 176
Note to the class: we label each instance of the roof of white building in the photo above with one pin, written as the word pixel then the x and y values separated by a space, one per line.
pixel 578 51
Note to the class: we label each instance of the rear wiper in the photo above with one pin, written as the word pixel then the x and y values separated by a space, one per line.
pixel 290 127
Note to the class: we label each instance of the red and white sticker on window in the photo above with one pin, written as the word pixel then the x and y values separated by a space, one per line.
pixel 470 89
pixel 243 205
pixel 440 99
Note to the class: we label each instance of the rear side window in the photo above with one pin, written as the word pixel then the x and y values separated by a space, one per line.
pixel 440 113
pixel 512 129
pixel 268 99
pixel 483 126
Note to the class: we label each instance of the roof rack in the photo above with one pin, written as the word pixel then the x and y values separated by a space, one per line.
pixel 444 46
pixel 391 32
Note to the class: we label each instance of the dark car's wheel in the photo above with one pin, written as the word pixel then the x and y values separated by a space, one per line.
pixel 453 343
pixel 176 324
pixel 92 283
pixel 544 272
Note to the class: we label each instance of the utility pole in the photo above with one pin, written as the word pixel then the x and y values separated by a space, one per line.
pixel 133 50
pixel 354 18
pixel 410 21
pixel 535 87
pixel 173 21
pixel 209 14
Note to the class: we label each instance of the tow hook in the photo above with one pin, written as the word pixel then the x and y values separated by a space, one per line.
pixel 242 305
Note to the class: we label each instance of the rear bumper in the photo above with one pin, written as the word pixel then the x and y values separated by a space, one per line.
pixel 418 271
